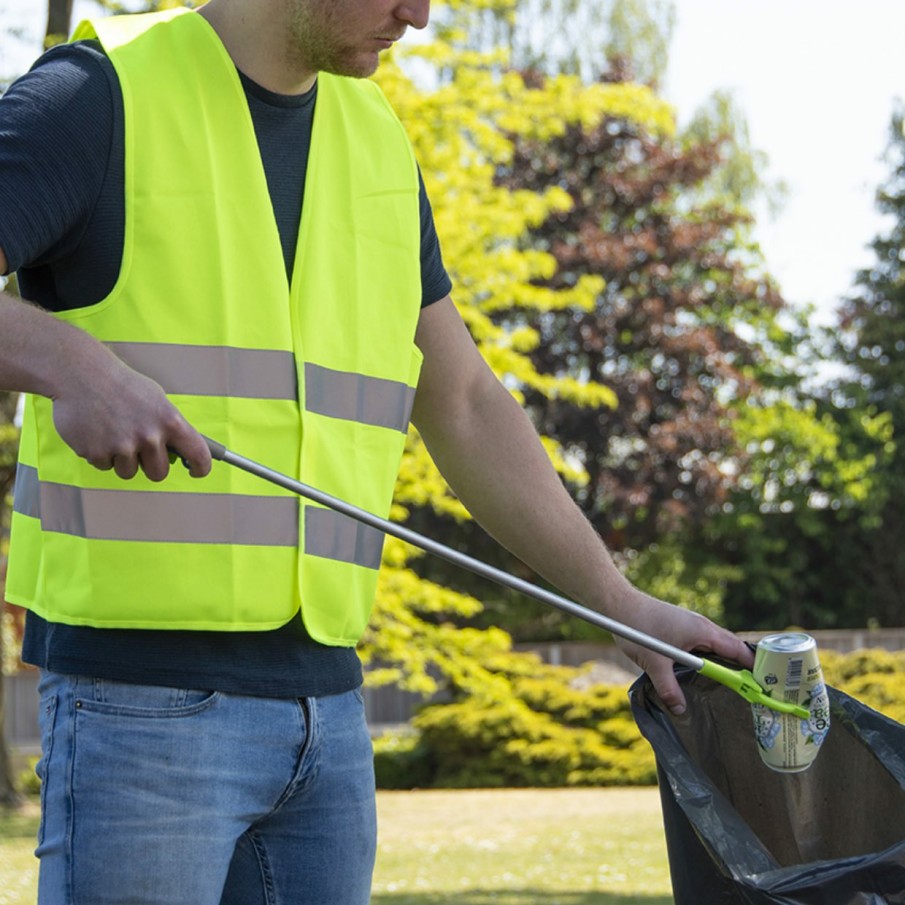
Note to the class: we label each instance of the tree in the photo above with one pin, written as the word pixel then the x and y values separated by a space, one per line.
pixel 790 529
pixel 738 180
pixel 872 343
pixel 664 333
pixel 793 533
pixel 59 19
pixel 574 37
pixel 695 339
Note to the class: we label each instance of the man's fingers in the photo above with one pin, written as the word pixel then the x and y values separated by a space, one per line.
pixel 184 444
pixel 729 647
pixel 733 648
pixel 192 449
pixel 155 462
pixel 152 455
pixel 125 422
pixel 125 466
pixel 667 686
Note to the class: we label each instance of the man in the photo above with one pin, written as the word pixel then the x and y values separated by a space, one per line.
pixel 202 743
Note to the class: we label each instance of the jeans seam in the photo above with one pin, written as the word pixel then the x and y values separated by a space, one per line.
pixel 51 712
pixel 70 802
pixel 257 844
pixel 308 709
pixel 311 748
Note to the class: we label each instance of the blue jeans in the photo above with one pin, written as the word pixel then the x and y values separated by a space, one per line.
pixel 177 797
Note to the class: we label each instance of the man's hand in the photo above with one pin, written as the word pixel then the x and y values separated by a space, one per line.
pixel 111 415
pixel 683 629
pixel 124 421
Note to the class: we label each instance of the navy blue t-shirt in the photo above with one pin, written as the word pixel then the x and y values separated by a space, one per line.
pixel 62 216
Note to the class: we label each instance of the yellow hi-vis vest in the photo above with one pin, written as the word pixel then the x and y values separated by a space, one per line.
pixel 315 377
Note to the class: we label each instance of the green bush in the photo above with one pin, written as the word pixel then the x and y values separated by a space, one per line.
pixel 874 677
pixel 510 744
pixel 400 761
pixel 29 783
pixel 546 732
pixel 839 668
pixel 551 729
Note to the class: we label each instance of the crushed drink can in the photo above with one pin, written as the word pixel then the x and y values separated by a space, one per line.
pixel 787 668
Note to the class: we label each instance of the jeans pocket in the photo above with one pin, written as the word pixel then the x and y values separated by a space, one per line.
pixel 47 722
pixel 149 701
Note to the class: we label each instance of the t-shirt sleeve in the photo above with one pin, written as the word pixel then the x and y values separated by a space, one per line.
pixel 435 281
pixel 56 126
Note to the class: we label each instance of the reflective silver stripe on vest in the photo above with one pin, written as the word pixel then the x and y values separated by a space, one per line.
pixel 336 536
pixel 158 516
pixel 26 498
pixel 213 370
pixel 193 518
pixel 355 397
pixel 270 374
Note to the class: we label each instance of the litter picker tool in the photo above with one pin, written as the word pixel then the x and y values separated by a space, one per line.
pixel 739 680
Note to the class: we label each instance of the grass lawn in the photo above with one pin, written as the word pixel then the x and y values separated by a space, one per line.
pixel 511 847
pixel 522 847
pixel 18 866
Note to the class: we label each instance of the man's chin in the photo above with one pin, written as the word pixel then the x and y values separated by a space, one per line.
pixel 361 66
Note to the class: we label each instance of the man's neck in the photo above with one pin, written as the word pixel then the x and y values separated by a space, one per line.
pixel 255 36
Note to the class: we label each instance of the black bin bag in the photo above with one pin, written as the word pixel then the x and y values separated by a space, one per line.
pixel 739 832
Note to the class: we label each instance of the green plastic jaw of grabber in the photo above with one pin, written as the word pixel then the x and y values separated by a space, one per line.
pixel 743 682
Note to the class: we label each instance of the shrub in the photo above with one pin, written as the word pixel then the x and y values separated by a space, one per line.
pixel 875 677
pixel 548 730
pixel 552 729
pixel 29 782
pixel 400 761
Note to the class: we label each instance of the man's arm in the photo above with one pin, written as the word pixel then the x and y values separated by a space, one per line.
pixel 487 449
pixel 109 414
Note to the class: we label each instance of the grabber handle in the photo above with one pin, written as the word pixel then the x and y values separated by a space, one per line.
pixel 740 681
pixel 743 682
pixel 218 450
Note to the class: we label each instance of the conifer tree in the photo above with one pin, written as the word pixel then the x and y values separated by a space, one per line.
pixel 872 343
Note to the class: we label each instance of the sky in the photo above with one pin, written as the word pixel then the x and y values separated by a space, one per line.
pixel 816 80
